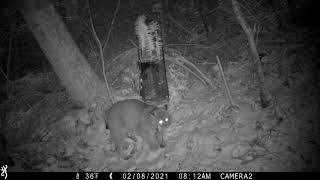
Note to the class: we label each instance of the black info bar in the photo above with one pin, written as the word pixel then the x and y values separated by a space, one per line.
pixel 159 175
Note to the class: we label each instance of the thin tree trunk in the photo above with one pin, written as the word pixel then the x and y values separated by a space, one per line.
pixel 265 96
pixel 63 54
pixel 12 29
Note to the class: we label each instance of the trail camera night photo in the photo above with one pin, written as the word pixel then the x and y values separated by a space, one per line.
pixel 159 89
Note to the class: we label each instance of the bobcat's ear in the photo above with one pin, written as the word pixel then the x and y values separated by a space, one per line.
pixel 150 110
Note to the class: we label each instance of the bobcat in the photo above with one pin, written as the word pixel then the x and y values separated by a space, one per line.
pixel 134 116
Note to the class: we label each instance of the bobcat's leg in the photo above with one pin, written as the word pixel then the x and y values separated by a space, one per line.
pixel 148 134
pixel 118 136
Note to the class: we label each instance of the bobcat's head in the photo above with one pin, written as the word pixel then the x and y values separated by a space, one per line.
pixel 161 119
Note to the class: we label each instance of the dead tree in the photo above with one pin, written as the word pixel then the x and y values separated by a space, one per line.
pixel 265 96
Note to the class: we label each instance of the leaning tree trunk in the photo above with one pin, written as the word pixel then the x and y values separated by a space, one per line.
pixel 265 96
pixel 63 54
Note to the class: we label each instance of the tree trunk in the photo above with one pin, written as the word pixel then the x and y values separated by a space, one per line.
pixel 63 54
pixel 265 96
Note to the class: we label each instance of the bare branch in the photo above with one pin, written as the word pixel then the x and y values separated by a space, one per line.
pixel 101 53
pixel 109 32
pixel 265 96
pixel 225 82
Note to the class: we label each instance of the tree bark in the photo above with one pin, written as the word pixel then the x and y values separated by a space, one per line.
pixel 63 54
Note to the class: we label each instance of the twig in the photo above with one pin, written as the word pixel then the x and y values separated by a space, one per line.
pixel 225 82
pixel 12 28
pixel 178 24
pixel 101 53
pixel 180 60
pixel 4 74
pixel 207 80
pixel 125 54
pixel 134 44
pixel 199 46
pixel 202 77
pixel 109 32
pixel 188 44
pixel 186 68
pixel 257 33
